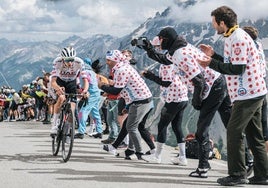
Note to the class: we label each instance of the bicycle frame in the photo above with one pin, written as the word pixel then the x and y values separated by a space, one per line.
pixel 65 135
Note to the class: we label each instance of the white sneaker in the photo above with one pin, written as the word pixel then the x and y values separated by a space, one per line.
pixel 68 140
pixel 109 148
pixel 54 130
pixel 151 159
pixel 91 134
pixel 7 120
pixel 181 161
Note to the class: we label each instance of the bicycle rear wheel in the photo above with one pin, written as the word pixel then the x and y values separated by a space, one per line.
pixel 68 133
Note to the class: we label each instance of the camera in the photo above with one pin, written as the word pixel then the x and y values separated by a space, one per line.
pixel 139 41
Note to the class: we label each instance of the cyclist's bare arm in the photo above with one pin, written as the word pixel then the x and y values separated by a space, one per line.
pixel 59 90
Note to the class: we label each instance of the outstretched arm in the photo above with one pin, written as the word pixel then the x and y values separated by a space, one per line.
pixel 151 76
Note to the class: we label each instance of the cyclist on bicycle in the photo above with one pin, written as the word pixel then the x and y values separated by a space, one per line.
pixel 66 69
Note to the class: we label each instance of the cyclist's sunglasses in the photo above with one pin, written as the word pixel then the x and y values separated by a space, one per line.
pixel 67 60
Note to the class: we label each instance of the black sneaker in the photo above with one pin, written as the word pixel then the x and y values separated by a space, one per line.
pixel 258 180
pixel 46 122
pixel 106 131
pixel 232 180
pixel 199 173
pixel 127 153
pixel 134 156
pixel 97 135
pixel 108 141
pixel 79 135
pixel 138 154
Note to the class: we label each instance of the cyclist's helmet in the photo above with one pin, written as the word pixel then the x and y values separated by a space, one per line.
pixel 68 52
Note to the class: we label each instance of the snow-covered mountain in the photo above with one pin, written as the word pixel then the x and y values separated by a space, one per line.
pixel 20 63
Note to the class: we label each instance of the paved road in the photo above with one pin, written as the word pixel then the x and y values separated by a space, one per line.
pixel 26 161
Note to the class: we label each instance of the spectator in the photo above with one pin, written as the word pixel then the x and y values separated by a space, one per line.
pixel 136 93
pixel 91 101
pixel 207 86
pixel 247 89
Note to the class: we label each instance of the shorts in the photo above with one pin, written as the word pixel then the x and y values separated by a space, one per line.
pixel 70 87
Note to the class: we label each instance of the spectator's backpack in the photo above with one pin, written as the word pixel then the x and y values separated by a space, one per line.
pixel 191 147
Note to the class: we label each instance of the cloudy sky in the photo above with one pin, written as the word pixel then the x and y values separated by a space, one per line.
pixel 33 20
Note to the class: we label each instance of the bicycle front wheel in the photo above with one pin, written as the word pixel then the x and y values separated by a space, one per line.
pixel 68 134
pixel 56 139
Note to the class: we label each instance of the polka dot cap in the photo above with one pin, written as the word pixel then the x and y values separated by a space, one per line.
pixel 115 55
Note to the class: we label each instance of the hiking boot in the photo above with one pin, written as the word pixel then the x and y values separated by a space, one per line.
pixel 79 135
pixel 109 148
pixel 232 180
pixel 199 173
pixel 151 159
pixel 181 161
pixel 258 180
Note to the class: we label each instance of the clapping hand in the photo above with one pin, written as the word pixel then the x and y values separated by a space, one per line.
pixel 207 49
pixel 204 61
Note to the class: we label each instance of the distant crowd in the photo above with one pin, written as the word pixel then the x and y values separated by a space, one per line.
pixel 27 104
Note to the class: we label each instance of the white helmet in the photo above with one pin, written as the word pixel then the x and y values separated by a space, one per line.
pixel 68 52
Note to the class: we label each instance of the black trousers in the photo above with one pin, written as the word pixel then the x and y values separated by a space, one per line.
pixel 217 100
pixel 171 112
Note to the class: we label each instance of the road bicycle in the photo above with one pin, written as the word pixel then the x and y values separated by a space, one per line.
pixel 66 130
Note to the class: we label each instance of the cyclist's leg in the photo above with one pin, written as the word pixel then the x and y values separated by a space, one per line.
pixel 56 114
pixel 57 106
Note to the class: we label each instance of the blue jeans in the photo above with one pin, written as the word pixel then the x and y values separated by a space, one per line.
pixel 112 113
pixel 92 109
